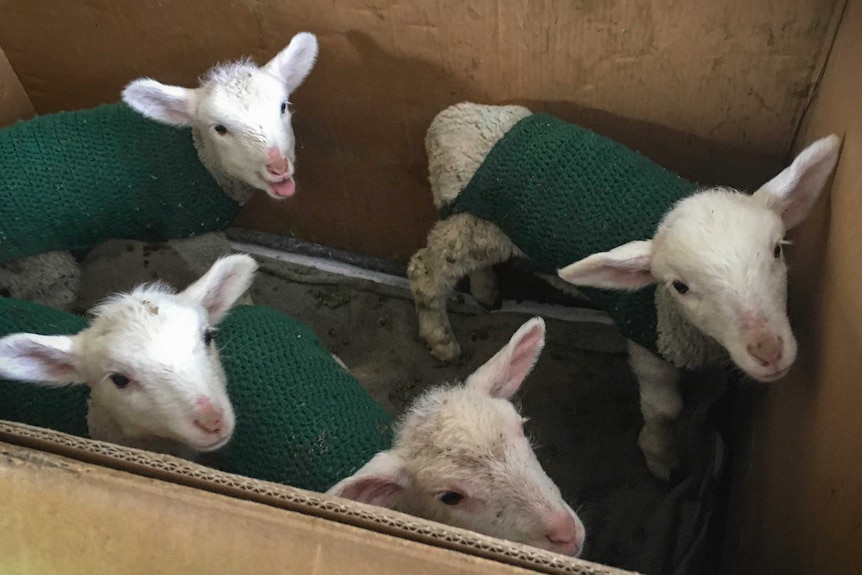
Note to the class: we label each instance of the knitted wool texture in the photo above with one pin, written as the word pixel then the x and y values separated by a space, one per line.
pixel 300 418
pixel 72 179
pixel 561 193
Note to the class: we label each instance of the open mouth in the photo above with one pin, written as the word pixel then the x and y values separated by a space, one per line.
pixel 282 189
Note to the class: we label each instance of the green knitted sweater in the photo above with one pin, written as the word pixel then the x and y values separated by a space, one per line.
pixel 300 418
pixel 561 193
pixel 72 179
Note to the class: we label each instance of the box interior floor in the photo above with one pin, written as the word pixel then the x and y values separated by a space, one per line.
pixel 582 400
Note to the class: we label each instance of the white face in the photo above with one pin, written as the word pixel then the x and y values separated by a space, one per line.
pixel 720 254
pixel 153 360
pixel 461 458
pixel 245 122
pixel 242 114
pixel 478 471
pixel 148 357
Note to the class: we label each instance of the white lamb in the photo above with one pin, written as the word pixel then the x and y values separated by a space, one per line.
pixel 155 377
pixel 240 120
pixel 460 457
pixel 716 260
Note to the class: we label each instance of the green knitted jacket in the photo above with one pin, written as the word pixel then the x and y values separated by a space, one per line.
pixel 561 193
pixel 300 418
pixel 72 179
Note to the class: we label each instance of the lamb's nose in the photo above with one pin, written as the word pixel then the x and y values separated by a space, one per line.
pixel 766 349
pixel 208 417
pixel 277 167
pixel 563 531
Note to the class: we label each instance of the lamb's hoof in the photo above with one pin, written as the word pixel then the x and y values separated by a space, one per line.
pixel 446 352
pixel 660 468
pixel 656 443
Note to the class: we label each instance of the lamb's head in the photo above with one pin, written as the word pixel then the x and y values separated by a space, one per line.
pixel 461 458
pixel 719 255
pixel 240 114
pixel 148 357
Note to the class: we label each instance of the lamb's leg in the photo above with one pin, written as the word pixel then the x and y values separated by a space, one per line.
pixel 49 278
pixel 456 246
pixel 661 403
pixel 484 287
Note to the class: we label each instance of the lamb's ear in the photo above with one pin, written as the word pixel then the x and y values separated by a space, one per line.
pixel 294 63
pixel 378 482
pixel 42 359
pixel 792 193
pixel 224 283
pixel 502 375
pixel 624 267
pixel 172 105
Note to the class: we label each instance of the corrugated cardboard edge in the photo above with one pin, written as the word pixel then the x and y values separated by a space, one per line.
pixel 182 472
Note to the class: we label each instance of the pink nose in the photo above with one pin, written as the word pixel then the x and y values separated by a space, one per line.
pixel 766 349
pixel 562 530
pixel 277 165
pixel 277 168
pixel 208 417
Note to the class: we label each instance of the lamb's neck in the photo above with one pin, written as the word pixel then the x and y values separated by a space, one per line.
pixel 237 190
pixel 679 341
pixel 104 427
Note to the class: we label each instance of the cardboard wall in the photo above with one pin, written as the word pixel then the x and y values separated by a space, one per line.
pixel 712 89
pixel 73 518
pixel 14 102
pixel 798 493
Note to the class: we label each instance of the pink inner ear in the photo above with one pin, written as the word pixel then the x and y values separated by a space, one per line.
pixel 611 274
pixel 520 361
pixel 28 357
pixel 626 277
pixel 525 354
pixel 374 490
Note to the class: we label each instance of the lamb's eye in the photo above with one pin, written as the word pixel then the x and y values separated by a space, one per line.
pixel 119 380
pixel 450 497
pixel 680 287
pixel 208 336
pixel 777 251
pixel 221 130
pixel 283 107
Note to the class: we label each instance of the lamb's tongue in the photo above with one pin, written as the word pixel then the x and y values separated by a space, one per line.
pixel 284 189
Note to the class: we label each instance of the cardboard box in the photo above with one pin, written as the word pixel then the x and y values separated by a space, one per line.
pixel 720 92
pixel 797 502
pixel 74 505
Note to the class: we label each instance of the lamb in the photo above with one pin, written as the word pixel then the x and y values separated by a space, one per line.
pixel 240 118
pixel 240 121
pixel 711 283
pixel 460 457
pixel 156 381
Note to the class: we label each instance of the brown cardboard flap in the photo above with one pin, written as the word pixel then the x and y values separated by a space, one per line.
pixel 213 503
pixel 14 102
